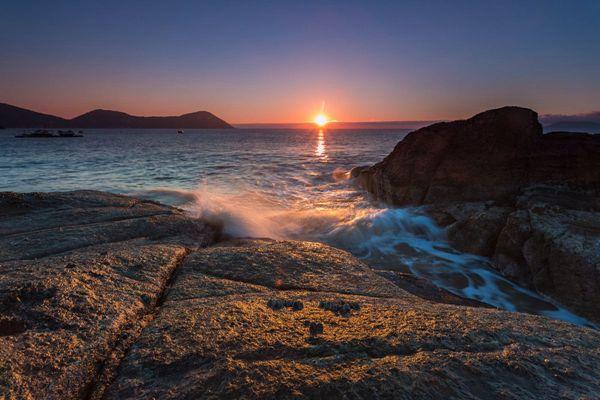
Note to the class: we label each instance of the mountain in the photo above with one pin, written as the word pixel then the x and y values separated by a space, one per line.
pixel 116 119
pixel 15 117
pixel 574 126
pixel 588 122
pixel 548 119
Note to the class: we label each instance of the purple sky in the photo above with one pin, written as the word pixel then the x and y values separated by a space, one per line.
pixel 278 61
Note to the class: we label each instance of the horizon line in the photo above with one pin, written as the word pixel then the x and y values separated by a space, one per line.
pixel 307 122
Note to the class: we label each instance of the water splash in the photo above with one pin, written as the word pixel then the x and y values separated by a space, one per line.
pixel 336 213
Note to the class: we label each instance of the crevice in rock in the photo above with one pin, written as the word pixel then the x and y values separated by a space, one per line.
pixel 108 368
pixel 373 349
pixel 293 288
pixel 63 251
pixel 498 234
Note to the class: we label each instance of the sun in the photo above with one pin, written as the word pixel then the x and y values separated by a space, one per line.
pixel 321 120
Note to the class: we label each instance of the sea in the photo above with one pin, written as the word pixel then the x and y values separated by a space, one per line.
pixel 276 183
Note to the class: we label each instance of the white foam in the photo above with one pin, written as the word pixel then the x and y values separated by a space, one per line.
pixel 337 214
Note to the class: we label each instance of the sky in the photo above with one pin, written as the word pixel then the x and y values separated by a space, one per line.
pixel 278 61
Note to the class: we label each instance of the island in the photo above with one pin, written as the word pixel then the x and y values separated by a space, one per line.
pixel 16 117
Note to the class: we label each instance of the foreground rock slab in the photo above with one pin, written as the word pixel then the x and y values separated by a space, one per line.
pixel 160 310
pixel 80 275
pixel 227 342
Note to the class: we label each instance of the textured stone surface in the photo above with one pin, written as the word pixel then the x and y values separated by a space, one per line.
pixel 222 345
pixel 549 241
pixel 73 309
pixel 154 313
pixel 80 275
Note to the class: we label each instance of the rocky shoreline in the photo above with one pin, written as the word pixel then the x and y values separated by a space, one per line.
pixel 110 297
pixel 504 190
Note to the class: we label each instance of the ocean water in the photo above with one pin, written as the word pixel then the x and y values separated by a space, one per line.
pixel 282 184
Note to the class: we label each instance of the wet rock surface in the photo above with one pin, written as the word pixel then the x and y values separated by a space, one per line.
pixel 159 314
pixel 530 202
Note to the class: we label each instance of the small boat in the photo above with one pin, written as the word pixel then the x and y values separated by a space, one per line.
pixel 68 133
pixel 40 133
pixel 180 131
pixel 43 133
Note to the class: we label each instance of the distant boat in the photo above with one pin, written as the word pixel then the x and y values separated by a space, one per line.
pixel 40 133
pixel 68 133
pixel 43 133
pixel 180 131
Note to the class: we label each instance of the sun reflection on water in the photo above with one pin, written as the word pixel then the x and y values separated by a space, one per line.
pixel 321 149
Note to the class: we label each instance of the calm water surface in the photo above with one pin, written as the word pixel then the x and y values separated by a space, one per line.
pixel 285 184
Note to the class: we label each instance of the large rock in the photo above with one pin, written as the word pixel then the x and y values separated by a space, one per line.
pixel 529 201
pixel 549 242
pixel 154 313
pixel 554 246
pixel 35 225
pixel 491 156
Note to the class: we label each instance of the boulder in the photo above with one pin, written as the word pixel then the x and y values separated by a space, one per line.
pixel 529 201
pixel 491 156
pixel 549 242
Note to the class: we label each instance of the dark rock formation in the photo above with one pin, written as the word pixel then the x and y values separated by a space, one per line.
pixel 102 306
pixel 15 117
pixel 529 201
pixel 315 328
pixel 492 156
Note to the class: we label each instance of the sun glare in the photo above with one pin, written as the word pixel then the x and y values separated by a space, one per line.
pixel 321 120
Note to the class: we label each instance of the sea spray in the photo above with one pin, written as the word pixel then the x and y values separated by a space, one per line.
pixel 336 213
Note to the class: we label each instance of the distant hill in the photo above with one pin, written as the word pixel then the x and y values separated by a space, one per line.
pixel 16 117
pixel 574 126
pixel 589 122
